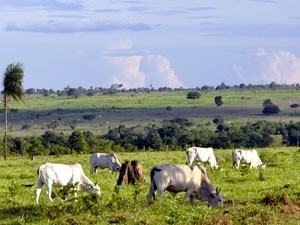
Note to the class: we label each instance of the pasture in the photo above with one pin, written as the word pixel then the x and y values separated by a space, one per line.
pixel 38 113
pixel 270 196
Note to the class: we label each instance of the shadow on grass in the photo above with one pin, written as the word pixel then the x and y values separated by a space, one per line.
pixel 28 214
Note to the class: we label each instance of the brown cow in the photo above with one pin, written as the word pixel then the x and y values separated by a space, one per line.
pixel 130 173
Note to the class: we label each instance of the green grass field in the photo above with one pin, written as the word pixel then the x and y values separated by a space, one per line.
pixel 231 97
pixel 271 196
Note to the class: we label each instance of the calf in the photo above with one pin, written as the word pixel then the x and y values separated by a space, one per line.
pixel 176 178
pixel 55 174
pixel 130 173
pixel 104 160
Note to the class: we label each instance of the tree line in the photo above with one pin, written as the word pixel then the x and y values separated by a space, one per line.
pixel 76 92
pixel 171 135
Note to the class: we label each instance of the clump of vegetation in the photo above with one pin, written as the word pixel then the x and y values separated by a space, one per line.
pixel 274 199
pixel 193 95
pixel 89 117
pixel 270 108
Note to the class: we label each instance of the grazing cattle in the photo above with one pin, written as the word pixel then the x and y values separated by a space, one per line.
pixel 251 157
pixel 130 173
pixel 104 160
pixel 176 178
pixel 58 175
pixel 202 155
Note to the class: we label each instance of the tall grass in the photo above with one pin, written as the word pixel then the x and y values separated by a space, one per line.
pixel 251 196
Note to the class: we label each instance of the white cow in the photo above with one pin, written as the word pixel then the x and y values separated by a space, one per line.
pixel 104 160
pixel 202 155
pixel 176 178
pixel 251 157
pixel 58 175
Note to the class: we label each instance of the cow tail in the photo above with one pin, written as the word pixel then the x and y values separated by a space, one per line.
pixel 38 171
pixel 152 173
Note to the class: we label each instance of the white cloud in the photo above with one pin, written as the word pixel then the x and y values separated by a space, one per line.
pixel 134 70
pixel 160 73
pixel 127 71
pixel 282 67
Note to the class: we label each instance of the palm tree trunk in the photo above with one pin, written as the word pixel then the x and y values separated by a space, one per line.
pixel 5 132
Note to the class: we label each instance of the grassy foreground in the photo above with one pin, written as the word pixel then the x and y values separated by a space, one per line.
pixel 271 196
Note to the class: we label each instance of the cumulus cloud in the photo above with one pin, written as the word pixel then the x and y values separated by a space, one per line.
pixel 282 67
pixel 127 71
pixel 159 72
pixel 134 71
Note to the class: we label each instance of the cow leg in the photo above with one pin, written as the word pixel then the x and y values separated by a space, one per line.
pixel 160 194
pixel 150 194
pixel 192 200
pixel 237 164
pixel 38 191
pixel 92 170
pixel 188 194
pixel 49 190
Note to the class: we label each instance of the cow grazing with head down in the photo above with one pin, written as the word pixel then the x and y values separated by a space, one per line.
pixel 202 155
pixel 58 175
pixel 104 160
pixel 131 172
pixel 176 178
pixel 251 157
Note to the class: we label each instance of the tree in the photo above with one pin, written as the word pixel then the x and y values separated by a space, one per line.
pixel 77 142
pixel 269 107
pixel 218 100
pixel 193 95
pixel 13 87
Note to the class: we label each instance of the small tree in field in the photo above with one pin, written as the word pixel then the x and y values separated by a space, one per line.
pixel 193 95
pixel 12 84
pixel 218 100
pixel 269 107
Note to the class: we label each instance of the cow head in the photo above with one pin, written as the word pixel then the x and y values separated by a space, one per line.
pixel 116 164
pixel 190 156
pixel 91 188
pixel 213 197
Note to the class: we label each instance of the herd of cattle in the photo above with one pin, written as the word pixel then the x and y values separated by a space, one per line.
pixel 190 178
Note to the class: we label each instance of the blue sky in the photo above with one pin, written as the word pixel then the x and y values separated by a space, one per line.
pixel 158 43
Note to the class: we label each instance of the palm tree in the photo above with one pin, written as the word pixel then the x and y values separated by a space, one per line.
pixel 12 84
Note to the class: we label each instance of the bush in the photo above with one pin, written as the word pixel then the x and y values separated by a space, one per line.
pixel 271 109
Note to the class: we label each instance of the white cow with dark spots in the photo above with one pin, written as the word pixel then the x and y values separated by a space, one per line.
pixel 58 175
pixel 176 178
pixel 202 155
pixel 104 160
pixel 240 156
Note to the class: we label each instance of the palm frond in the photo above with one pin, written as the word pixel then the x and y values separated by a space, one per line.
pixel 12 82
